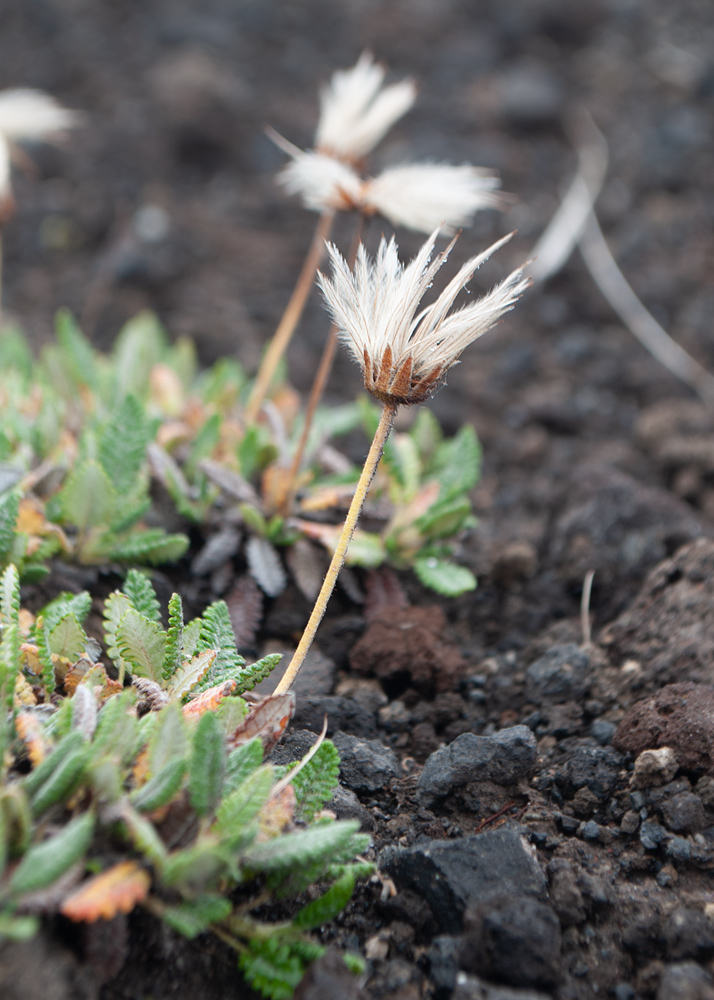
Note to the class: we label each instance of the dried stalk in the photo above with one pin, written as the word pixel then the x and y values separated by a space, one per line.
pixel 328 585
pixel 318 387
pixel 293 311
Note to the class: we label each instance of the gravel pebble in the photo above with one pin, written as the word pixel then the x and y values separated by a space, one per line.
pixel 365 765
pixel 504 759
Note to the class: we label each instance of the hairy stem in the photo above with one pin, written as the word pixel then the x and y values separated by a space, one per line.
pixel 293 311
pixel 348 529
pixel 318 387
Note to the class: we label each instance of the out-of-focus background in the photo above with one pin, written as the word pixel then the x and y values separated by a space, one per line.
pixel 166 198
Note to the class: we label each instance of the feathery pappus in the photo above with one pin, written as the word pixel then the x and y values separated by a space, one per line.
pixel 27 115
pixel 404 351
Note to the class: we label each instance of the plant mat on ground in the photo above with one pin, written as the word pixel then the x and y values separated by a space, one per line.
pixel 157 794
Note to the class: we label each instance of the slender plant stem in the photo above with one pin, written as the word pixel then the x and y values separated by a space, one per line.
pixel 1 275
pixel 348 529
pixel 318 387
pixel 293 311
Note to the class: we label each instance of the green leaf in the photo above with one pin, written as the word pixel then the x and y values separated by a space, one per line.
pixel 44 771
pixel 68 638
pixel 217 633
pixel 140 591
pixel 9 506
pixel 316 782
pixel 9 665
pixel 63 782
pixel 15 352
pixel 457 463
pixel 142 643
pixel 151 546
pixel 76 351
pixel 10 597
pixel 190 674
pixel 115 607
pixel 88 498
pixel 302 849
pixel 444 577
pixel 160 789
pixel 247 677
pixel 174 640
pixel 273 972
pixel 409 464
pixel 45 862
pixel 427 434
pixel 240 763
pixel 243 804
pixel 206 767
pixel 122 444
pixel 444 518
pixel 67 604
pixel 169 741
pixel 321 911
pixel 17 928
pixel 194 868
pixel 140 345
pixel 143 835
pixel 194 916
pixel 203 444
pixel 366 549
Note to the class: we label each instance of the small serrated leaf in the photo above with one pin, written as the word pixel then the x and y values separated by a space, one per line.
pixel 45 862
pixel 139 589
pixel 88 498
pixel 243 804
pixel 142 643
pixel 169 740
pixel 206 765
pixel 190 674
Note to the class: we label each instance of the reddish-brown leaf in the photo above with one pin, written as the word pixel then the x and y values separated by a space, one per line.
pixel 116 890
pixel 209 700
pixel 268 720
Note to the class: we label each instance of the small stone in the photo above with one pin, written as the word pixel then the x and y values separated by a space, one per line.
pixel 443 956
pixel 345 805
pixel 630 821
pixel 376 948
pixel 679 849
pixel 365 765
pixel 705 790
pixel 515 940
pixel 666 876
pixel 686 981
pixel 603 731
pixel 560 675
pixel 623 991
pixel 590 830
pixel 684 813
pixel 454 875
pixel 504 758
pixel 652 835
pixel 585 802
pixel 395 717
pixel 564 894
pixel 679 716
pixel 688 934
pixel 596 768
pixel 654 767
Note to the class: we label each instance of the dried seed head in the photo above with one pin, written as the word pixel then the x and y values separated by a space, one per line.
pixel 425 196
pixel 357 111
pixel 323 183
pixel 404 354
pixel 27 115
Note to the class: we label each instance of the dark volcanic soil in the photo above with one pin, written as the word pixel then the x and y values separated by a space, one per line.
pixel 531 858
